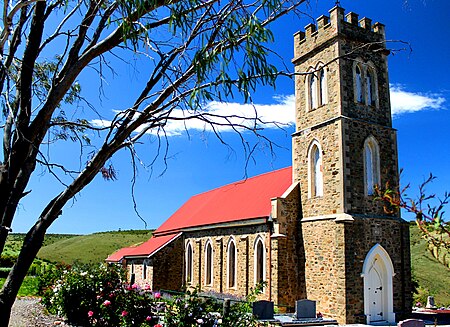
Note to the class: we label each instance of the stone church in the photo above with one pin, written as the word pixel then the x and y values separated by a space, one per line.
pixel 313 230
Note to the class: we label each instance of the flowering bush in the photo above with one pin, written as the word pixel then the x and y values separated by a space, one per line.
pixel 99 296
pixel 191 310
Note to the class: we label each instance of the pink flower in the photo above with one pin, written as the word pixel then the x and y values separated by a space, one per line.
pixel 158 325
pixel 106 303
pixel 90 313
pixel 157 295
pixel 148 318
pixel 147 287
pixel 124 313
pixel 135 286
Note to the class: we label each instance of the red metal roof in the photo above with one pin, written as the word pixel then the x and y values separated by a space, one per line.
pixel 151 246
pixel 118 255
pixel 243 200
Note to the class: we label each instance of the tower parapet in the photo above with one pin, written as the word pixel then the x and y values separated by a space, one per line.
pixel 338 24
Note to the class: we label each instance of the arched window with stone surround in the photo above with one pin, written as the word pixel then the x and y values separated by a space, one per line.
pixel 359 91
pixel 323 91
pixel 208 263
pixel 371 165
pixel 260 261
pixel 315 170
pixel 313 91
pixel 189 263
pixel 231 263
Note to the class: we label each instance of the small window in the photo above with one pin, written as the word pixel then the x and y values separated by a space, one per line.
pixel 189 263
pixel 144 270
pixel 370 88
pixel 208 263
pixel 259 261
pixel 313 91
pixel 231 264
pixel 359 85
pixel 315 179
pixel 323 87
pixel 371 165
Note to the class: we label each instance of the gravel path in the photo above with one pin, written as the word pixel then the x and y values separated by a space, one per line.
pixel 28 312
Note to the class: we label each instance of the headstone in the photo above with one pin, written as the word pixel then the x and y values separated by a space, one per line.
pixel 226 307
pixel 263 309
pixel 411 323
pixel 430 303
pixel 305 309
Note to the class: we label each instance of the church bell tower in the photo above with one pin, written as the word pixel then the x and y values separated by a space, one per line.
pixel 356 257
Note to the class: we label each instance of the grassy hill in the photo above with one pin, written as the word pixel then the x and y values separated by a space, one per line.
pixel 430 274
pixel 93 248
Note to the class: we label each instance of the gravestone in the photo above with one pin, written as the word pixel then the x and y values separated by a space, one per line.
pixel 305 309
pixel 263 309
pixel 411 323
pixel 430 303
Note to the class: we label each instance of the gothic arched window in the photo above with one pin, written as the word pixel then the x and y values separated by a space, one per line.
pixel 359 85
pixel 208 263
pixel 370 88
pixel 371 165
pixel 315 170
pixel 313 91
pixel 260 260
pixel 232 264
pixel 323 94
pixel 189 263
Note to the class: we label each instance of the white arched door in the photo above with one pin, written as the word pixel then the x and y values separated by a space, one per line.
pixel 378 272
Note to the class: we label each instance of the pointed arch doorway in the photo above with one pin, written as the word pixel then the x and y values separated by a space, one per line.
pixel 377 273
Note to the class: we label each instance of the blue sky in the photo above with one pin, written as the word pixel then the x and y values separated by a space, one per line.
pixel 420 92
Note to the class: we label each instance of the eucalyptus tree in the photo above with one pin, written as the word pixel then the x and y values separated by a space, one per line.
pixel 196 51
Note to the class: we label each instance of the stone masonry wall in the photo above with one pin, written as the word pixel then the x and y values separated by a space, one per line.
pixel 245 238
pixel 334 258
pixel 393 236
pixel 324 251
pixel 356 132
pixel 329 138
pixel 287 259
pixel 163 269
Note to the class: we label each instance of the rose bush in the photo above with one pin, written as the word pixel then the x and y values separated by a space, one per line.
pixel 98 296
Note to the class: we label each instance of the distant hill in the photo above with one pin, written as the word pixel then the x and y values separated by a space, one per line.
pixel 430 274
pixel 93 248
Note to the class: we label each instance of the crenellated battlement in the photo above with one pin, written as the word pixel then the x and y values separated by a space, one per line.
pixel 337 23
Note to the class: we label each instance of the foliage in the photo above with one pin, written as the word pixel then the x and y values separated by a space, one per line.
pixel 428 209
pixel 97 296
pixel 192 310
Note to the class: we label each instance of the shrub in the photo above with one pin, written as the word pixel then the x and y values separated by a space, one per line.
pixel 97 296
pixel 192 310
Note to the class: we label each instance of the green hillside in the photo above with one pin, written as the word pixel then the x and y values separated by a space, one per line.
pixel 14 241
pixel 431 275
pixel 93 248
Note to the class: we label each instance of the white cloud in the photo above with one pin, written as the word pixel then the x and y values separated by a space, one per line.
pixel 403 102
pixel 280 112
